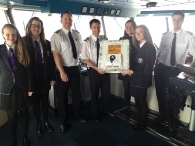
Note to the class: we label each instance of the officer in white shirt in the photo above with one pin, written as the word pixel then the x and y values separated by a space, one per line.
pixel 165 67
pixel 98 78
pixel 66 44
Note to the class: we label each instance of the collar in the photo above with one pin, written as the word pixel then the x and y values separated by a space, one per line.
pixel 13 47
pixel 94 37
pixel 66 31
pixel 36 39
pixel 141 44
pixel 178 32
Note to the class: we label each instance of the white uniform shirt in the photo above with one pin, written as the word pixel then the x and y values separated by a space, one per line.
pixel 185 41
pixel 89 48
pixel 8 52
pixel 141 44
pixel 60 42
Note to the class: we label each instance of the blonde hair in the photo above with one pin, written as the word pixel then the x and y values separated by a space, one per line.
pixel 21 51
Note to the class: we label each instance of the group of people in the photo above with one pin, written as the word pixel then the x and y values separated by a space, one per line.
pixel 30 65
pixel 173 49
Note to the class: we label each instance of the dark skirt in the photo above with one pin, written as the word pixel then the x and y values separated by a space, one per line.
pixel 138 92
pixel 17 100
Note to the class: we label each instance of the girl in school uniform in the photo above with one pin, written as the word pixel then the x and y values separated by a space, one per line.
pixel 16 84
pixel 130 26
pixel 44 71
pixel 141 72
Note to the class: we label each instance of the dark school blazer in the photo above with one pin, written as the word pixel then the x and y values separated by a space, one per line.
pixel 49 64
pixel 143 66
pixel 20 77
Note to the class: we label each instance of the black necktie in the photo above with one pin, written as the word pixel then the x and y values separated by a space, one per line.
pixel 98 48
pixel 73 45
pixel 173 50
pixel 130 38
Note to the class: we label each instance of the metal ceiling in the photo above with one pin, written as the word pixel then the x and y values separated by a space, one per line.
pixel 141 4
pixel 163 6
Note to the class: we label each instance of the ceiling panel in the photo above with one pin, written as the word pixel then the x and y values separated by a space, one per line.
pixel 140 4
pixel 124 5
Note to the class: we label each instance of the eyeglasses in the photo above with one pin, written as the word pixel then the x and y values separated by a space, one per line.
pixel 34 26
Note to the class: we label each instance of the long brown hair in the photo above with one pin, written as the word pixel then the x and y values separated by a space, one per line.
pixel 134 25
pixel 28 32
pixel 147 36
pixel 21 51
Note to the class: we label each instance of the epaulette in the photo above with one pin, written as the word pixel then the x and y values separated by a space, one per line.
pixel 166 32
pixel 86 39
pixel 189 32
pixel 77 31
pixel 58 31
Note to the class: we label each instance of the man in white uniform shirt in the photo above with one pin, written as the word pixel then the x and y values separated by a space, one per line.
pixel 171 52
pixel 97 77
pixel 66 44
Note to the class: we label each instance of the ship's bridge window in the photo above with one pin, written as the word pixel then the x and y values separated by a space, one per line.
pixel 156 25
pixel 115 27
pixel 187 25
pixel 3 21
pixel 52 23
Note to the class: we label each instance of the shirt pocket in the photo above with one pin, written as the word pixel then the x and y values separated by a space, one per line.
pixel 94 51
pixel 181 48
pixel 165 46
pixel 65 47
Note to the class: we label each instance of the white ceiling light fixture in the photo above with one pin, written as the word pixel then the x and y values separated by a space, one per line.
pixel 27 8
pixel 104 1
pixel 11 2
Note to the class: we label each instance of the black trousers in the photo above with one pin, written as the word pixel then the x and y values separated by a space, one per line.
pixel 97 82
pixel 12 122
pixel 142 107
pixel 40 102
pixel 63 88
pixel 162 73
pixel 127 94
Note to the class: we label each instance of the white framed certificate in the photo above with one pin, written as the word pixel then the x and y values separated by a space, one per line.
pixel 114 55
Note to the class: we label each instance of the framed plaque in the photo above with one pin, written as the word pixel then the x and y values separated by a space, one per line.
pixel 114 55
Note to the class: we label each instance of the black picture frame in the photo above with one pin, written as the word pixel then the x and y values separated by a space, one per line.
pixel 118 11
pixel 91 10
pixel 84 9
pixel 112 11
pixel 106 11
pixel 99 11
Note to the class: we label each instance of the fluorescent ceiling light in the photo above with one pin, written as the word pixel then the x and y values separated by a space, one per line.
pixel 27 8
